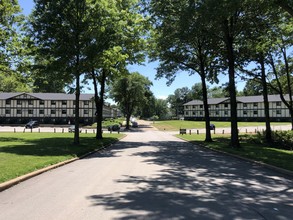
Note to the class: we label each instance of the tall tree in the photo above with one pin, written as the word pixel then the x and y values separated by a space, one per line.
pixel 129 92
pixel 62 32
pixel 117 41
pixel 182 44
pixel 180 97
pixel 11 47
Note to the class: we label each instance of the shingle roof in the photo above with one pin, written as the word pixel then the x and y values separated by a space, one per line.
pixel 48 96
pixel 243 99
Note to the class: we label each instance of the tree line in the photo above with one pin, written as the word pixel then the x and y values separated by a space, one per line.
pixel 212 37
pixel 69 44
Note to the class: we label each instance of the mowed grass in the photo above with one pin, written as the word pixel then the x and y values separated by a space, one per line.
pixel 22 153
pixel 175 125
pixel 258 152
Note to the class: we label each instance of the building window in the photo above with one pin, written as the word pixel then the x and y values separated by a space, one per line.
pixel 217 106
pixel 255 112
pixel 244 112
pixel 53 102
pixel 186 107
pixel 64 102
pixel 86 112
pixel 7 111
pixel 41 111
pixel 30 111
pixel 244 105
pixel 193 113
pixel 18 102
pixel 30 102
pixel 278 103
pixel 278 112
pixel 8 102
pixel 86 102
pixel 200 112
pixel 226 112
pixel 201 106
pixel 217 112
pixel 42 102
pixel 226 105
pixel 64 112
pixel 186 113
pixel 255 104
pixel 53 111
pixel 18 111
pixel 193 106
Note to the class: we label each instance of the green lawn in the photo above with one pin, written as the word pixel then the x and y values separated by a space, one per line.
pixel 21 153
pixel 175 125
pixel 263 153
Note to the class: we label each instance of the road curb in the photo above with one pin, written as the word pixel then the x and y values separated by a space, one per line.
pixel 17 180
pixel 268 166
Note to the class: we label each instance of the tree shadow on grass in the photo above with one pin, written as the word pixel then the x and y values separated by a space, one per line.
pixel 55 146
pixel 195 183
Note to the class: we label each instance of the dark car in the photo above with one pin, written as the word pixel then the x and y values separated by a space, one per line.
pixel 212 127
pixel 114 128
pixel 32 124
pixel 134 124
pixel 72 129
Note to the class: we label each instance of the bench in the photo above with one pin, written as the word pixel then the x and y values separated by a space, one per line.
pixel 182 131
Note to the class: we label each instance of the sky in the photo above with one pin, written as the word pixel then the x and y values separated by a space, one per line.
pixel 159 88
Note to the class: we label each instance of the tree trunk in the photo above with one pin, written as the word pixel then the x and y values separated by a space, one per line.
pixel 127 121
pixel 76 117
pixel 232 90
pixel 266 101
pixel 288 76
pixel 205 98
pixel 99 110
pixel 101 106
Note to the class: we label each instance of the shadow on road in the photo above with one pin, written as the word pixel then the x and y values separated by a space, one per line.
pixel 195 183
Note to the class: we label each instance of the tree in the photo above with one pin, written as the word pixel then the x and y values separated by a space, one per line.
pixel 180 97
pixel 62 31
pixel 116 41
pixel 161 109
pixel 181 43
pixel 11 47
pixel 129 92
pixel 253 87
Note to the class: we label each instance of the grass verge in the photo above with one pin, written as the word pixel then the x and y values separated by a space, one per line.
pixel 175 125
pixel 258 152
pixel 22 153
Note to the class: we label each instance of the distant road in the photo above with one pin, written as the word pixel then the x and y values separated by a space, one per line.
pixel 152 175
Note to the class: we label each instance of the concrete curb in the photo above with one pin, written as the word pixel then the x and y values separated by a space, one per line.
pixel 15 181
pixel 278 169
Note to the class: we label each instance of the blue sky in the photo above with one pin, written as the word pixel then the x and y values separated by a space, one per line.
pixel 159 88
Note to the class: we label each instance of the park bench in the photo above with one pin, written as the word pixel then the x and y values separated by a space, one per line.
pixel 182 131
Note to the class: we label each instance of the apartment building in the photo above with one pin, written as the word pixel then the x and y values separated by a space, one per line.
pixel 49 108
pixel 249 108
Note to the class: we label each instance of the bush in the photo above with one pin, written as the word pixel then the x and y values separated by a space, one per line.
pixel 283 139
pixel 280 139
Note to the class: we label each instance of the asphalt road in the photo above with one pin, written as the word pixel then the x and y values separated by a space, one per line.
pixel 152 175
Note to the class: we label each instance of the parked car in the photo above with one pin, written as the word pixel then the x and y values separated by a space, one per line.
pixel 134 124
pixel 114 128
pixel 72 129
pixel 32 124
pixel 212 127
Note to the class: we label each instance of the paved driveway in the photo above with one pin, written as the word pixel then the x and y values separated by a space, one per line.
pixel 152 175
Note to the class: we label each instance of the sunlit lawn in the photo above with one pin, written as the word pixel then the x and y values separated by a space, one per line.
pixel 21 153
pixel 175 125
pixel 259 152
